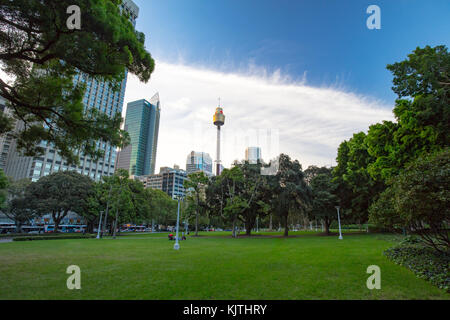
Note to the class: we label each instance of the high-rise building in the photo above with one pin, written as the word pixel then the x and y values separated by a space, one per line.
pixel 5 139
pixel 199 161
pixel 142 124
pixel 253 154
pixel 169 180
pixel 98 95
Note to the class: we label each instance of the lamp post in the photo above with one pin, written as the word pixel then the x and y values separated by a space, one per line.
pixel 339 221
pixel 99 225
pixel 176 246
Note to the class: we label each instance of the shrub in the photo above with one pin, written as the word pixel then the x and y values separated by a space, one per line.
pixel 419 199
pixel 425 262
pixel 33 238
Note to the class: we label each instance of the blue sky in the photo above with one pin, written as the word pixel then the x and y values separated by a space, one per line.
pixel 309 70
pixel 328 40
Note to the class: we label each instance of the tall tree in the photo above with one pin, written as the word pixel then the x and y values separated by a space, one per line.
pixel 58 194
pixel 323 191
pixel 355 186
pixel 195 186
pixel 422 83
pixel 3 188
pixel 291 192
pixel 42 55
pixel 17 208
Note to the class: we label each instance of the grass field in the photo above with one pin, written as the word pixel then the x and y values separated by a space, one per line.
pixel 213 266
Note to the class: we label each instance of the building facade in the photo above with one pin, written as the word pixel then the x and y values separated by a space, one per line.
pixel 253 154
pixel 199 161
pixel 169 180
pixel 98 95
pixel 5 139
pixel 142 124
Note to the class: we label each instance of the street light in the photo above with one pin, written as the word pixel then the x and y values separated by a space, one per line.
pixel 339 221
pixel 176 246
pixel 99 225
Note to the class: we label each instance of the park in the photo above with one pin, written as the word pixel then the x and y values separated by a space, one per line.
pixel 306 265
pixel 84 216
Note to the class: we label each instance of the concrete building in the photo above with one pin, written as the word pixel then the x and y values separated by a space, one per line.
pixel 169 180
pixel 199 161
pixel 98 95
pixel 142 124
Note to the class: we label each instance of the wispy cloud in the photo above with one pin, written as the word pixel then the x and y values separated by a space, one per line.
pixel 311 121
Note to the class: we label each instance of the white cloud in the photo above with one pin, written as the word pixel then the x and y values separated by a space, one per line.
pixel 312 122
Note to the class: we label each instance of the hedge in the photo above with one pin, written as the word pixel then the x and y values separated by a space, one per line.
pixel 425 262
pixel 33 238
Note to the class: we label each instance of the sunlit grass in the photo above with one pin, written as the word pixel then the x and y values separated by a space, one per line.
pixel 308 266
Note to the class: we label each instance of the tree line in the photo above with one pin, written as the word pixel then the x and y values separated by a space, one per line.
pixel 396 176
pixel 117 199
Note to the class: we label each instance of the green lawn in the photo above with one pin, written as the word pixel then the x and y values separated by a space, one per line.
pixel 213 266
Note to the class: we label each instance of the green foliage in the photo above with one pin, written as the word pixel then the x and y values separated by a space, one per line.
pixel 42 56
pixel 242 195
pixel 422 83
pixel 163 209
pixel 58 194
pixel 3 185
pixel 196 197
pixel 17 207
pixel 291 194
pixel 419 199
pixel 424 262
pixel 127 201
pixel 422 198
pixel 383 214
pixel 323 195
pixel 356 188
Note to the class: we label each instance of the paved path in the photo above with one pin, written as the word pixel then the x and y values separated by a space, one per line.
pixel 6 240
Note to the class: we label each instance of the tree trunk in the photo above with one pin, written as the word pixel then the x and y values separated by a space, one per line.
pixel 196 222
pixel 270 222
pixel 327 226
pixel 18 227
pixel 249 224
pixel 233 231
pixel 104 227
pixel 90 227
pixel 286 226
pixel 56 222
pixel 115 223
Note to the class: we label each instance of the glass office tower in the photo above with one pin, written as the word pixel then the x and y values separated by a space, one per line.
pixel 142 124
pixel 98 95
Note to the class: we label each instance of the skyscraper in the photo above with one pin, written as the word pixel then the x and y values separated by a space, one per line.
pixel 199 161
pixel 253 154
pixel 142 124
pixel 98 95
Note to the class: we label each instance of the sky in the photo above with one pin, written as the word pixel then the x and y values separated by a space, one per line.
pixel 297 77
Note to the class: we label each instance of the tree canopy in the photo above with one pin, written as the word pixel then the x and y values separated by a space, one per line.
pixel 323 195
pixel 42 55
pixel 58 194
